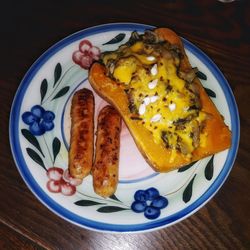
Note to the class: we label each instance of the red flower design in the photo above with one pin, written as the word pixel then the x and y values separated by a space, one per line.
pixel 61 181
pixel 86 54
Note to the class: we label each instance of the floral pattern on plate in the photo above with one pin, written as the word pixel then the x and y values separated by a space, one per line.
pixel 42 139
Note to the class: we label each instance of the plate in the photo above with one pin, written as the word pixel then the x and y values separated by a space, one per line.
pixel 39 137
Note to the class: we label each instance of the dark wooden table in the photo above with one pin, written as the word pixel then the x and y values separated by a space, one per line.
pixel 222 31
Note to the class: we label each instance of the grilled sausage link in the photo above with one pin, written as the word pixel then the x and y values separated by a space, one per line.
pixel 82 134
pixel 105 168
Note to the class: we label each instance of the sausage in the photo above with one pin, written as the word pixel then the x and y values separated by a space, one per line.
pixel 105 168
pixel 82 134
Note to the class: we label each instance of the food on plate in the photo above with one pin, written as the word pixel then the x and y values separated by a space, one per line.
pixel 81 150
pixel 151 83
pixel 105 168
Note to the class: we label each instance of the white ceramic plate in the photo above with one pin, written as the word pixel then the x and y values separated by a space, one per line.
pixel 50 84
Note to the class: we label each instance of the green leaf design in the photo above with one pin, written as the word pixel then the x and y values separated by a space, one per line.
pixel 35 157
pixel 110 209
pixel 182 169
pixel 86 203
pixel 187 194
pixel 201 75
pixel 113 197
pixel 209 170
pixel 43 89
pixel 210 92
pixel 56 145
pixel 57 73
pixel 116 39
pixel 32 139
pixel 61 93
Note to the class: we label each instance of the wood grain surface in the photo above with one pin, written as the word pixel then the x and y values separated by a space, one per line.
pixel 221 30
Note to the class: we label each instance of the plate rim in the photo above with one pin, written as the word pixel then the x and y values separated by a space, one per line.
pixel 66 214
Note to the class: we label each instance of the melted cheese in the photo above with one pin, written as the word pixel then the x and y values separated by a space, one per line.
pixel 165 105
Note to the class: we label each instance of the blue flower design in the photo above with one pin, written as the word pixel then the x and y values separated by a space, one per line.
pixel 150 202
pixel 39 120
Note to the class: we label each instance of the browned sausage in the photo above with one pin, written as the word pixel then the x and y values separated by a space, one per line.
pixel 105 169
pixel 82 134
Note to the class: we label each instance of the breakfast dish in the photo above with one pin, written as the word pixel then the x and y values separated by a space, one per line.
pixel 142 199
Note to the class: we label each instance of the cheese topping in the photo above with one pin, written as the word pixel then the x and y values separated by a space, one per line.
pixel 166 104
